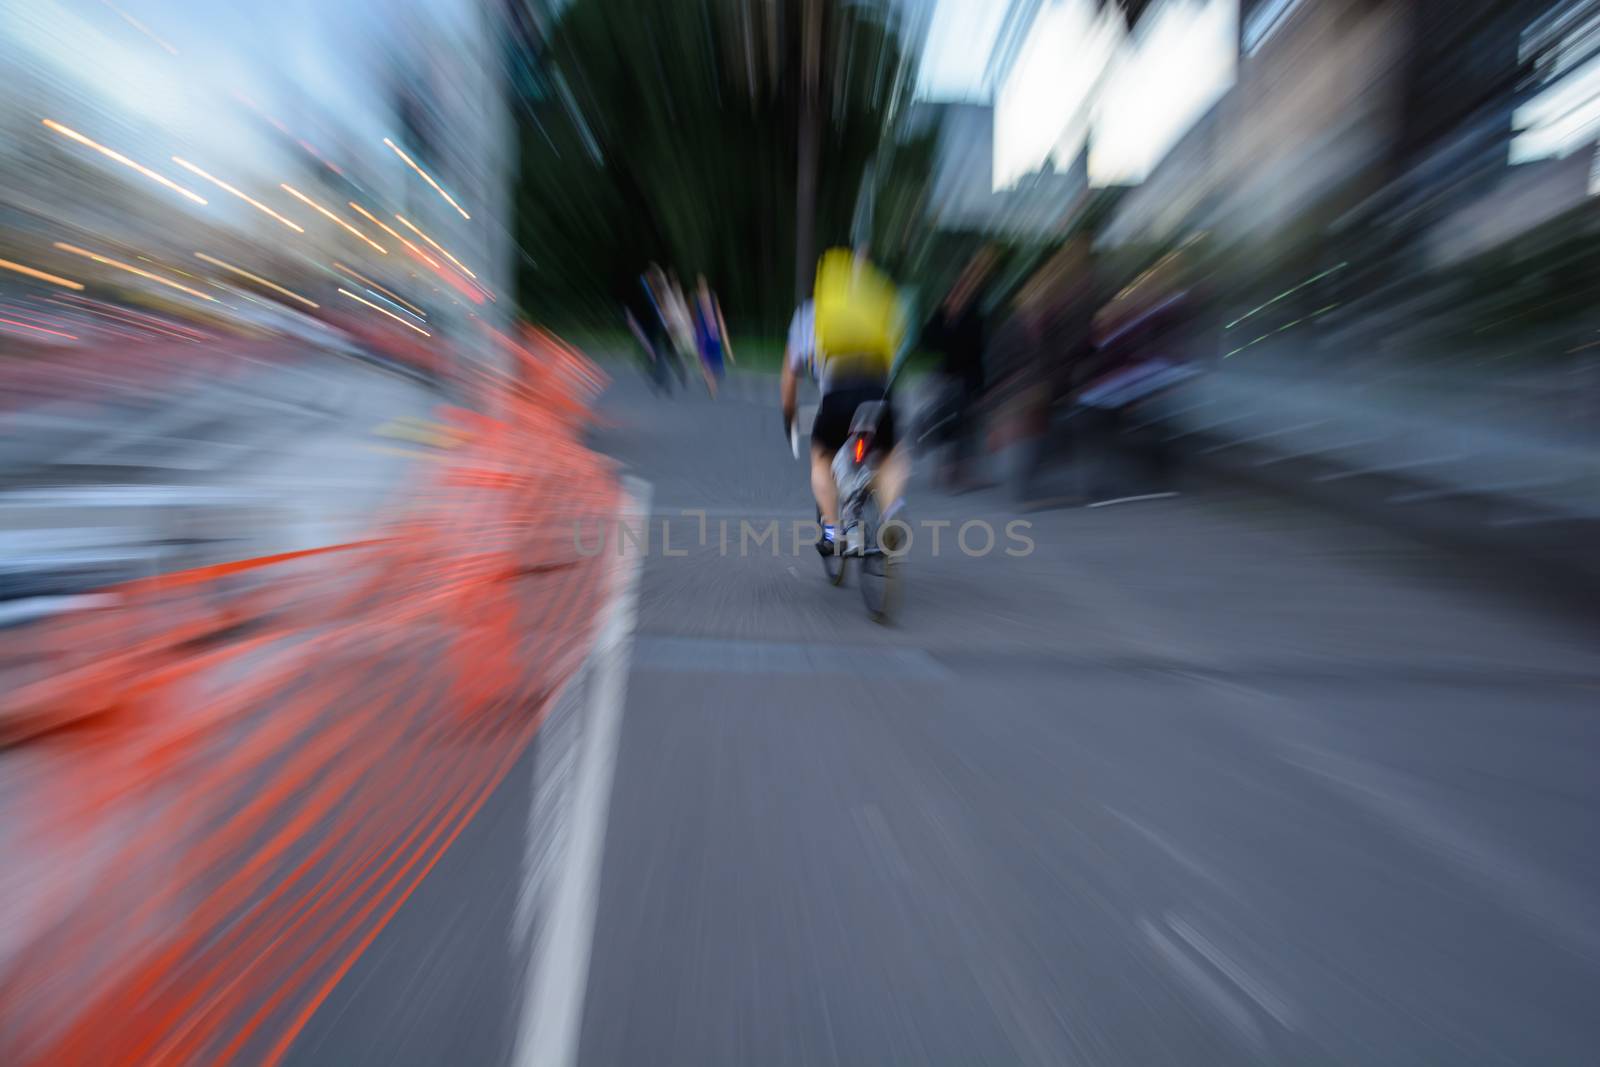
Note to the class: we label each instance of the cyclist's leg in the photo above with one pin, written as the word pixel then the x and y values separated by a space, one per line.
pixel 703 360
pixel 829 430
pixel 823 487
pixel 892 475
pixel 894 471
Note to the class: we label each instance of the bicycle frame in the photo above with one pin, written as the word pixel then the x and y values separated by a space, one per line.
pixel 854 467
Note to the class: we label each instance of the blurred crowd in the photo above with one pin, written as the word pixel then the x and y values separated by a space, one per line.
pixel 676 333
pixel 1060 361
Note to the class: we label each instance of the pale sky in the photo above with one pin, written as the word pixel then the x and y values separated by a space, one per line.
pixel 1081 74
pixel 184 78
pixel 957 51
pixel 304 61
pixel 1179 62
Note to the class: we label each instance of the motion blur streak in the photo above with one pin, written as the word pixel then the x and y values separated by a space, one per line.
pixel 144 322
pixel 412 227
pixel 363 279
pixel 303 198
pixel 425 177
pixel 124 160
pixel 225 187
pixel 297 876
pixel 53 279
pixel 255 278
pixel 141 27
pixel 37 329
pixel 106 260
pixel 384 311
pixel 370 217
pixel 386 679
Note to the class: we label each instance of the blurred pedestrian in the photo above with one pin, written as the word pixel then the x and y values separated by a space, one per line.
pixel 958 334
pixel 645 325
pixel 711 334
pixel 666 314
pixel 680 326
pixel 1053 326
pixel 1142 338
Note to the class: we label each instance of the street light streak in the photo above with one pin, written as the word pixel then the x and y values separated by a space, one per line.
pixel 75 250
pixel 30 314
pixel 225 187
pixel 120 158
pixel 427 178
pixel 303 198
pixel 53 279
pixel 412 227
pixel 386 300
pixel 383 311
pixel 41 329
pixel 168 266
pixel 120 330
pixel 100 307
pixel 233 290
pixel 419 253
pixel 358 276
pixel 255 278
pixel 1280 296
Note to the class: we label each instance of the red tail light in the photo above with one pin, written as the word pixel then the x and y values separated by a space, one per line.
pixel 861 448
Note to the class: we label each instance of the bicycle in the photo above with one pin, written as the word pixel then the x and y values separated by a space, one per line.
pixel 855 467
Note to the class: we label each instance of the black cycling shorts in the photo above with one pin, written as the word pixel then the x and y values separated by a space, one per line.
pixel 838 409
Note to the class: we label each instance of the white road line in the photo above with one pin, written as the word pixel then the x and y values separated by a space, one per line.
pixel 1269 1001
pixel 1393 468
pixel 1208 989
pixel 1173 852
pixel 552 1015
pixel 1131 499
pixel 1264 436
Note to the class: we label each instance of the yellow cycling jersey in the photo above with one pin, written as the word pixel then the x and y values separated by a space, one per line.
pixel 859 320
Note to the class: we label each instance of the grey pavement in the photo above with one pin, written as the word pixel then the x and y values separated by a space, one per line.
pixel 1214 779
pixel 1207 780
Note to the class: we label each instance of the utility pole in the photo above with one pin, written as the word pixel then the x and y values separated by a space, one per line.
pixel 805 208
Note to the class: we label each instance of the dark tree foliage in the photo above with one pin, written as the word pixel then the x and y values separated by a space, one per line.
pixel 667 131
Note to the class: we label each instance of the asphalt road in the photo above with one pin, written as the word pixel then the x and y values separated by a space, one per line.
pixel 1207 780
pixel 1215 779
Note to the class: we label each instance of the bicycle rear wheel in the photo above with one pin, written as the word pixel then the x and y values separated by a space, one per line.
pixel 832 565
pixel 879 578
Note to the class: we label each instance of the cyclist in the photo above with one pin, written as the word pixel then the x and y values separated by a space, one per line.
pixel 845 380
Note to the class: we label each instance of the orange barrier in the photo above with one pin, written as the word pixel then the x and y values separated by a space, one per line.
pixel 237 774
